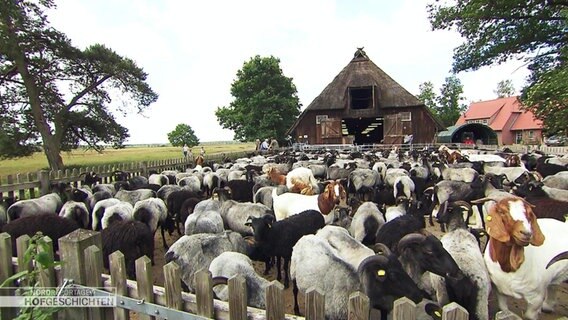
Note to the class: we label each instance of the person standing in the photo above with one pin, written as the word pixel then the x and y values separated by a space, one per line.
pixel 202 152
pixel 185 150
pixel 257 145
pixel 264 145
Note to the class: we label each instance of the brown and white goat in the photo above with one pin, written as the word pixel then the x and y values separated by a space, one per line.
pixel 519 248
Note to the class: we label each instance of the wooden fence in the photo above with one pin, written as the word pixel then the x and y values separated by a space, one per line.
pixel 82 267
pixel 34 184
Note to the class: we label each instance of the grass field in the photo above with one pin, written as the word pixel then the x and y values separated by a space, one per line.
pixel 87 158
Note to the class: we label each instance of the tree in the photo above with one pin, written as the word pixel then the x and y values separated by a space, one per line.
pixel 60 95
pixel 448 105
pixel 265 101
pixel 497 31
pixel 505 88
pixel 427 95
pixel 183 134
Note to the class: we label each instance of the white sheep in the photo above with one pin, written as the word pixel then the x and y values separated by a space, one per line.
pixel 288 204
pixel 367 220
pixel 208 221
pixel 76 211
pixel 119 212
pixel 344 245
pixel 403 186
pixel 135 195
pixel 303 176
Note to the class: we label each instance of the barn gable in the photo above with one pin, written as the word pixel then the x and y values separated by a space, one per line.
pixel 363 105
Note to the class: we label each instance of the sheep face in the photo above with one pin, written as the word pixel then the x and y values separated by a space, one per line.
pixel 511 223
pixel 384 280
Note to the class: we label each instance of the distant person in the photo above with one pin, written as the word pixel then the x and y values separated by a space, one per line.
pixel 264 145
pixel 185 150
pixel 257 145
pixel 202 152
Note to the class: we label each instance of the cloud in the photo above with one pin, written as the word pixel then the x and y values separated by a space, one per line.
pixel 192 50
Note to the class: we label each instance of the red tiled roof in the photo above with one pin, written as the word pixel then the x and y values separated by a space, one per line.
pixel 498 112
pixel 526 121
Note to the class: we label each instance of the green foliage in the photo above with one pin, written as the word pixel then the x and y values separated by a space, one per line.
pixel 448 105
pixel 37 255
pixel 266 102
pixel 52 91
pixel 183 134
pixel 505 88
pixel 427 95
pixel 497 31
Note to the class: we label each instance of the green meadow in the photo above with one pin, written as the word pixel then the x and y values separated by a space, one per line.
pixel 87 158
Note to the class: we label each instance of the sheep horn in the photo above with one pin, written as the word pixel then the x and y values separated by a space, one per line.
pixel 558 257
pixel 219 280
pixel 428 189
pixel 482 200
pixel 409 239
pixel 381 249
pixel 463 204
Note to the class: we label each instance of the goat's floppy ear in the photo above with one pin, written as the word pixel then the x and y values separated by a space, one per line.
pixel 494 223
pixel 537 235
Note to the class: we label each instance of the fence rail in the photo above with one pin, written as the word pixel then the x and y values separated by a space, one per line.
pixel 82 255
pixel 32 184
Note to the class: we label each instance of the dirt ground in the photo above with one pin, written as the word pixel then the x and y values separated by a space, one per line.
pixel 515 305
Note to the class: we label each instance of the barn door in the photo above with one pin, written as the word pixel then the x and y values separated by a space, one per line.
pixel 392 129
pixel 330 128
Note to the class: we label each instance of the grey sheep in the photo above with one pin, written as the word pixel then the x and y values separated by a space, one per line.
pixel 195 252
pixel 135 195
pixel 208 221
pixel 229 264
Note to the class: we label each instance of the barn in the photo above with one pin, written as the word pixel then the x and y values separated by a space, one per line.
pixel 364 105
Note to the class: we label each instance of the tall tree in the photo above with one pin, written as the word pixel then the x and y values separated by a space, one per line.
pixel 183 134
pixel 265 101
pixel 497 31
pixel 60 95
pixel 448 105
pixel 505 88
pixel 427 95
pixel 450 101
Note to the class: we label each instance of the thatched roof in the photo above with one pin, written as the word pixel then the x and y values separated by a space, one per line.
pixel 362 72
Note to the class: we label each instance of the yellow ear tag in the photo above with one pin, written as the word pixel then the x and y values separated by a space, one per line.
pixel 488 218
pixel 438 314
pixel 381 273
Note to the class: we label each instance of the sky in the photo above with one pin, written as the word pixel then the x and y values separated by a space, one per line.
pixel 192 50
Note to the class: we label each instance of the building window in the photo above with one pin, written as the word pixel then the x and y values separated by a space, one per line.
pixel 519 137
pixel 405 116
pixel 361 98
pixel 320 118
pixel 483 121
pixel 531 134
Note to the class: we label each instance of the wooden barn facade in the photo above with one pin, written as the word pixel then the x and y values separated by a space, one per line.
pixel 363 105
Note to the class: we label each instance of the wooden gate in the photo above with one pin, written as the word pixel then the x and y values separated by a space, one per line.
pixel 330 128
pixel 396 126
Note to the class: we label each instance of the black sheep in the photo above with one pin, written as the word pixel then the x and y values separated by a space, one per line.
pixel 544 206
pixel 133 238
pixel 277 238
pixel 241 190
pixel 50 225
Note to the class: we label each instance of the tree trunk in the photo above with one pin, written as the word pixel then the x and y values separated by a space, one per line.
pixel 50 144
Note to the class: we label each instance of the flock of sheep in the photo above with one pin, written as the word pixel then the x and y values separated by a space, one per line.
pixel 338 222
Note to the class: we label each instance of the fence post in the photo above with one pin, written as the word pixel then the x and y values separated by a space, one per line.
pixel 172 286
pixel 72 255
pixel 144 168
pixel 204 293
pixel 359 306
pixel 454 311
pixel 117 268
pixel 238 298
pixel 315 305
pixel 274 301
pixel 145 283
pixel 94 268
pixel 6 271
pixel 44 184
pixel 404 308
